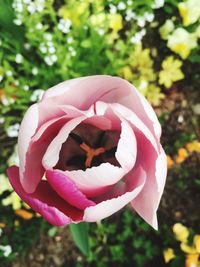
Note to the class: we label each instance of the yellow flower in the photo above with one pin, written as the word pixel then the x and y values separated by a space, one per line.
pixel 26 215
pixel 192 260
pixel 166 28
pixel 171 71
pixel 168 255
pixel 182 155
pixel 74 12
pixel 182 42
pixel 181 232
pixel 196 242
pixel 187 249
pixel 14 200
pixel 142 63
pixel 170 162
pixel 98 20
pixel 154 95
pixel 189 11
pixel 193 146
pixel 126 73
pixel 4 184
pixel 115 22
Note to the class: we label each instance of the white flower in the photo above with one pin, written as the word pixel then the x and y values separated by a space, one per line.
pixel 39 26
pixel 37 95
pixel 129 2
pixel 19 58
pixel 113 9
pixel 54 58
pixel 35 71
pixel 39 5
pixel 17 22
pixel 16 82
pixel 101 31
pixel 50 44
pixel 70 40
pixel 12 131
pixel 31 8
pixel 48 36
pixel 1 78
pixel 27 1
pixel 158 4
pixel 149 16
pixel 130 15
pixel 7 101
pixel 2 119
pixel 43 48
pixel 141 21
pixel 6 250
pixel 138 36
pixel 9 73
pixel 48 61
pixel 52 50
pixel 27 46
pixel 121 6
pixel 26 87
pixel 64 25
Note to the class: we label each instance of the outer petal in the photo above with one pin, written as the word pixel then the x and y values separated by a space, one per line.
pixel 146 203
pixel 34 170
pixel 67 189
pixel 27 130
pixel 108 89
pixel 45 201
pixel 110 206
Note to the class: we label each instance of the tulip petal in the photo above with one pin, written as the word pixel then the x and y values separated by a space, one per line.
pixel 45 201
pixel 33 161
pixel 108 89
pixel 110 206
pixel 96 180
pixel 51 155
pixel 67 189
pixel 27 130
pixel 146 203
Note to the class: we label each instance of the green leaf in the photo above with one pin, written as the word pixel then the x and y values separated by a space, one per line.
pixel 80 236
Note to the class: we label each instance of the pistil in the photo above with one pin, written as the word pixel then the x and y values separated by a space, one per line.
pixel 91 153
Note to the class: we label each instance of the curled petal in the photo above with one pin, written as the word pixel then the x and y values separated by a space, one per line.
pixel 110 206
pixel 45 201
pixel 67 189
pixel 108 89
pixel 51 155
pixel 27 130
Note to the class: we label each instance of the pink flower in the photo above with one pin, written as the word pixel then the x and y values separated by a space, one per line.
pixel 87 149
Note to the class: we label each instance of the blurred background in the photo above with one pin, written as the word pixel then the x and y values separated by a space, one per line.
pixel 154 44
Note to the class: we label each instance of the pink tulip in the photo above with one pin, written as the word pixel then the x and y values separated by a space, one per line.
pixel 87 149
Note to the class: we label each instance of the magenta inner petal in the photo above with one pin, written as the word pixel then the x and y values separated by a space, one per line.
pixel 45 201
pixel 67 189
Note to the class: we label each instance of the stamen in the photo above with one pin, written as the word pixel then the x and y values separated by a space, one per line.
pixel 91 153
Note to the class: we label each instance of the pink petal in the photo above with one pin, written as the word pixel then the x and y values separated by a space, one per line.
pixel 136 123
pixel 146 203
pixel 45 201
pixel 108 89
pixel 96 180
pixel 27 130
pixel 127 147
pixel 51 155
pixel 110 206
pixel 34 170
pixel 67 189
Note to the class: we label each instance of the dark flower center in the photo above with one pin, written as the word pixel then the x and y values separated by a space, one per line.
pixel 88 146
